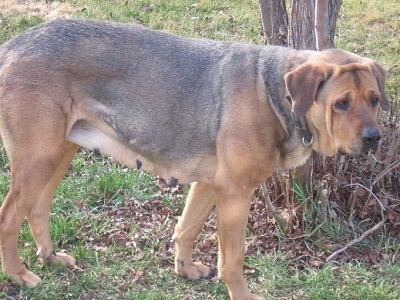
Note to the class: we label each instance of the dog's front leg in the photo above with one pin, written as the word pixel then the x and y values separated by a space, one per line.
pixel 200 201
pixel 232 215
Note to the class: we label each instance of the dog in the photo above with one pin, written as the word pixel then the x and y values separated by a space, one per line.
pixel 220 115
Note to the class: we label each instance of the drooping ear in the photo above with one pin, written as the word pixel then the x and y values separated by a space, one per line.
pixel 380 75
pixel 302 84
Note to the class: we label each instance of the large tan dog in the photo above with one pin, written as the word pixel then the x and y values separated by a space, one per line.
pixel 223 115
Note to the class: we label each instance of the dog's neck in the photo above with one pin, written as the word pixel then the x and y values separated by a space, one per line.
pixel 301 126
pixel 297 143
pixel 298 140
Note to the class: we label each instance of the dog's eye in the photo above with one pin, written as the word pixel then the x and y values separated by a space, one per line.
pixel 375 101
pixel 342 104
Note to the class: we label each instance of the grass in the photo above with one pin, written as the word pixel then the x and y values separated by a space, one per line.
pixel 118 223
pixel 372 29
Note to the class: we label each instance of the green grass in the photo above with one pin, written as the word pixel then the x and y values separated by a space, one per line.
pixel 372 29
pixel 103 214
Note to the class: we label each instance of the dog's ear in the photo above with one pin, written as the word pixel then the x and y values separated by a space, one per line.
pixel 302 84
pixel 380 75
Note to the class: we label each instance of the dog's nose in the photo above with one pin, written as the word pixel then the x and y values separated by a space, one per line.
pixel 371 136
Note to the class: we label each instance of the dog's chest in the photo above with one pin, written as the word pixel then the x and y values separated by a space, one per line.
pixel 296 157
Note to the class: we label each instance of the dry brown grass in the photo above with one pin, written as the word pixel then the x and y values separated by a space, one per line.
pixel 48 10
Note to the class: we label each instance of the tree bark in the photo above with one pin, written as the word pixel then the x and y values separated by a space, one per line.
pixel 333 13
pixel 321 25
pixel 266 7
pixel 301 28
pixel 326 12
pixel 275 22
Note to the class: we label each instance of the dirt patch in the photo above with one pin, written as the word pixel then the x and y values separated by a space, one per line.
pixel 48 10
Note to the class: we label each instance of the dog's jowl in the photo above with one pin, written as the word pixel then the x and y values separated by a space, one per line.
pixel 222 116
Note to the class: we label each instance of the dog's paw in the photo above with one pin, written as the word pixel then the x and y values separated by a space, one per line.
pixel 255 297
pixel 193 270
pixel 26 277
pixel 248 296
pixel 61 258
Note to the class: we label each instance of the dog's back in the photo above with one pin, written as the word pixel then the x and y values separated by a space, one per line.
pixel 147 94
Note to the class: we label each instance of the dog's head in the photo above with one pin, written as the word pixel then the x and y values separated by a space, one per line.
pixel 340 94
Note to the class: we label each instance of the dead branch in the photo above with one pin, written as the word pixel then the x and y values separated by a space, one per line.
pixel 278 218
pixel 368 190
pixel 384 172
pixel 356 240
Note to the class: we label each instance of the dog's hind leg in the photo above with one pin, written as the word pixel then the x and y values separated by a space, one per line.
pixel 200 201
pixel 39 155
pixel 10 222
pixel 38 216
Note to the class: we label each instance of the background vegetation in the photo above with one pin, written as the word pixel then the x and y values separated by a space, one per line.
pixel 118 223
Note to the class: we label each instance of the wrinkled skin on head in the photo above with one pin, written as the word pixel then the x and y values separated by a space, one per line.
pixel 341 104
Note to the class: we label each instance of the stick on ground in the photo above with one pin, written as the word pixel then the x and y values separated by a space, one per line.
pixel 356 240
pixel 278 218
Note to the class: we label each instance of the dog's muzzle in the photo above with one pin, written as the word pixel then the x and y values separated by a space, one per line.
pixel 371 137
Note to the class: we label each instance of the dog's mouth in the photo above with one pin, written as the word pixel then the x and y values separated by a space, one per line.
pixel 370 149
pixel 361 148
pixel 342 152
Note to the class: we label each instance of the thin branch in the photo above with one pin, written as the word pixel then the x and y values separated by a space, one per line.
pixel 278 218
pixel 357 240
pixel 367 189
pixel 384 172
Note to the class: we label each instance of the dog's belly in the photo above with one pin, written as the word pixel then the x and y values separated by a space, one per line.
pixel 200 167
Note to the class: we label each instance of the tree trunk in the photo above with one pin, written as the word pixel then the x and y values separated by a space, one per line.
pixel 333 12
pixel 310 20
pixel 275 21
pixel 301 29
pixel 321 25
pixel 266 19
pixel 326 12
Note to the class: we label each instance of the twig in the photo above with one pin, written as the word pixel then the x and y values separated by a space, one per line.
pixel 384 172
pixel 367 189
pixel 281 222
pixel 356 240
